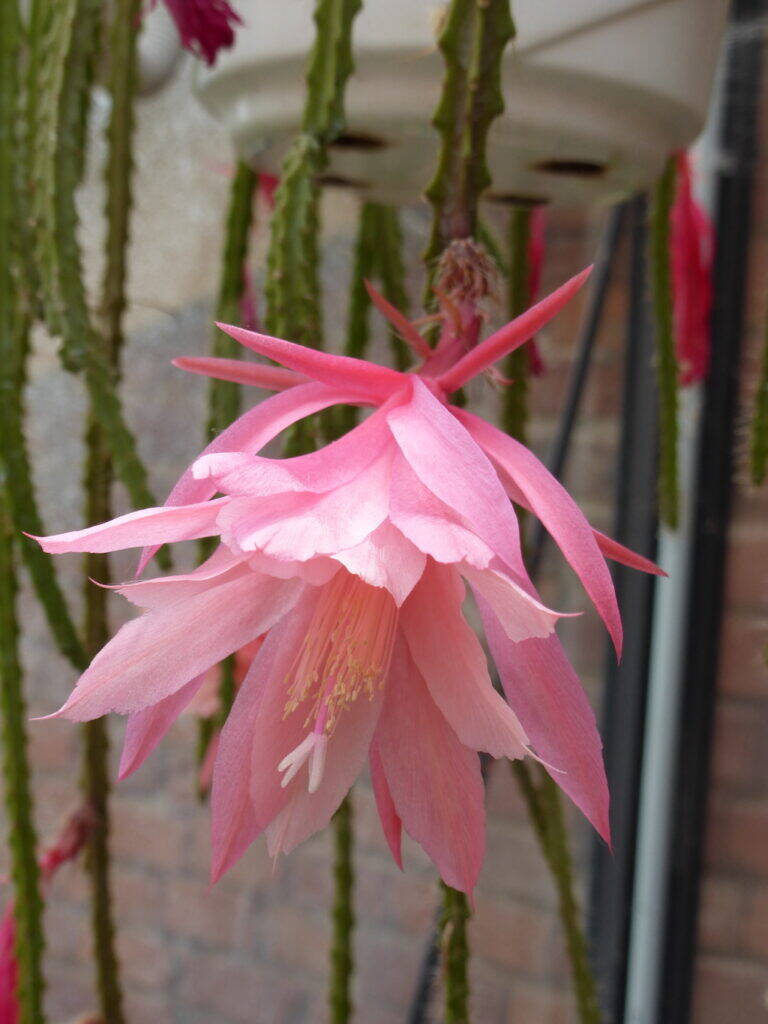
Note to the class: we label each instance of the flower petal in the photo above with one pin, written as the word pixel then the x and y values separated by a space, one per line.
pixel 559 513
pixel 388 816
pixel 307 813
pixel 546 694
pixel 331 466
pixel 374 382
pixel 434 780
pixel 301 526
pixel 146 728
pixel 157 653
pixel 448 462
pixel 250 433
pixel 430 524
pixel 252 743
pixel 385 559
pixel 258 375
pixel 147 526
pixel 625 556
pixel 451 661
pixel 164 590
pixel 511 336
pixel 522 616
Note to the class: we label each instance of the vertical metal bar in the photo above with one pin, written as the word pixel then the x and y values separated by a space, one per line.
pixel 625 693
pixel 733 222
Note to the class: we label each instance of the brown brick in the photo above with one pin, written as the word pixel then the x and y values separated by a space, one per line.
pixel 743 671
pixel 511 935
pixel 540 1004
pixel 737 838
pixel 755 929
pixel 746 585
pixel 726 989
pixel 740 763
pixel 721 914
pixel 212 916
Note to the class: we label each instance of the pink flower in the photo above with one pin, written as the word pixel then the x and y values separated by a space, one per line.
pixel 537 244
pixel 691 244
pixel 354 560
pixel 68 845
pixel 205 26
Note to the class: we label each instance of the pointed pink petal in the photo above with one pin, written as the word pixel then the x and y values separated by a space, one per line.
pixel 450 463
pixel 164 590
pixel 451 661
pixel 618 553
pixel 205 775
pixel 511 336
pixel 399 321
pixel 329 467
pixel 434 780
pixel 302 526
pixel 257 375
pixel 252 744
pixel 559 513
pixel 306 813
pixel 148 526
pixel 521 615
pixel 157 653
pixel 388 816
pixel 430 524
pixel 146 728
pixel 374 382
pixel 250 433
pixel 385 559
pixel 547 696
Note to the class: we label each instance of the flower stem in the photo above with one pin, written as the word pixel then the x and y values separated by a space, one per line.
pixel 546 812
pixel 455 944
pixel 666 360
pixel 759 450
pixel 18 798
pixel 342 964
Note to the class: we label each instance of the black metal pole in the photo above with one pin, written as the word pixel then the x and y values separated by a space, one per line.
pixel 623 713
pixel 732 223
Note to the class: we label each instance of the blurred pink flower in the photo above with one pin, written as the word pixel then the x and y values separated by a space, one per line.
pixel 68 845
pixel 353 561
pixel 692 245
pixel 205 26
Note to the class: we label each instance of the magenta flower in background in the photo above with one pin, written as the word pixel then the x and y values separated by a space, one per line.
pixel 70 841
pixel 205 26
pixel 354 562
pixel 691 251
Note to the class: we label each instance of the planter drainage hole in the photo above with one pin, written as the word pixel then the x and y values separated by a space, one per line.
pixel 359 140
pixel 516 199
pixel 572 168
pixel 339 181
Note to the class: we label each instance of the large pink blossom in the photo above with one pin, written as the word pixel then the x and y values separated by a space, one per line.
pixel 355 562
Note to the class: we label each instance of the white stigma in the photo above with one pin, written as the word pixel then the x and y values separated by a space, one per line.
pixel 313 748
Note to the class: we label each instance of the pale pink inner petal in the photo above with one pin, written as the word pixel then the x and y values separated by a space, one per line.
pixel 451 661
pixel 452 466
pixel 250 433
pixel 521 615
pixel 301 526
pixel 431 525
pixel 223 565
pixel 331 466
pixel 434 780
pixel 385 559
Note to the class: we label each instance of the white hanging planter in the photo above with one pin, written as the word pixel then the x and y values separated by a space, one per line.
pixel 597 93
